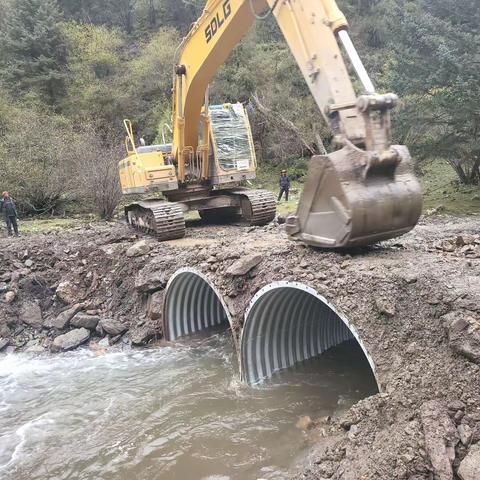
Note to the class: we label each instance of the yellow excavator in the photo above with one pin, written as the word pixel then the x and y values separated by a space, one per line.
pixel 363 192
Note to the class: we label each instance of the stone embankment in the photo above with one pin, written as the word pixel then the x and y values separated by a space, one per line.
pixel 414 304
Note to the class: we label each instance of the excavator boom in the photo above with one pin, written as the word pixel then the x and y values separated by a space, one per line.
pixel 363 192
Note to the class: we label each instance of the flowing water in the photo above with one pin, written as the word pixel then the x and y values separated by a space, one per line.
pixel 164 413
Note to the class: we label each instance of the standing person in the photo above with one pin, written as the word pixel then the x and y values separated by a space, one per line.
pixel 7 207
pixel 284 183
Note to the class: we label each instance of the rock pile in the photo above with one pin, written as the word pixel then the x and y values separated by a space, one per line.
pixel 55 290
pixel 462 245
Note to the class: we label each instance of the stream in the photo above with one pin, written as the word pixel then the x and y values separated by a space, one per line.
pixel 165 413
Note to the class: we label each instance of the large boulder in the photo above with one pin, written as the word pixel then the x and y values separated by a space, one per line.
pixel 5 277
pixel 142 335
pixel 68 292
pixel 70 340
pixel 385 306
pixel 465 433
pixel 150 279
pixel 441 437
pixel 138 249
pixel 10 297
pixel 464 334
pixel 244 265
pixel 155 305
pixel 35 349
pixel 470 467
pixel 111 327
pixel 63 319
pixel 83 320
pixel 31 314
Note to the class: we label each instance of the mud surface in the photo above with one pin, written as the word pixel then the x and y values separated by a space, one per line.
pixel 415 302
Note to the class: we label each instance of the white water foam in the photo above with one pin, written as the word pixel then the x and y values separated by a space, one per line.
pixel 24 434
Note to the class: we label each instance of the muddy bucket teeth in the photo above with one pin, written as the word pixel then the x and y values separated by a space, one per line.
pixel 347 201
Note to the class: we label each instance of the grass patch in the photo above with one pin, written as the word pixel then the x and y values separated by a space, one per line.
pixel 442 189
pixel 32 225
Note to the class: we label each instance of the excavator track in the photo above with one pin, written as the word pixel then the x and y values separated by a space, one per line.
pixel 163 219
pixel 258 206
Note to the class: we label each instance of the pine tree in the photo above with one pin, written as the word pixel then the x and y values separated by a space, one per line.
pixel 33 53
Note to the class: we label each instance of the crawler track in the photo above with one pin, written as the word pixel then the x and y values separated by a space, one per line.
pixel 163 219
pixel 166 221
pixel 258 206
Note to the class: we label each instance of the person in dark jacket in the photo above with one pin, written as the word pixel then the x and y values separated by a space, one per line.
pixel 284 183
pixel 9 211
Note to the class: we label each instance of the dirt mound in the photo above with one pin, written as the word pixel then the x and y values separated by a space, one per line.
pixel 414 301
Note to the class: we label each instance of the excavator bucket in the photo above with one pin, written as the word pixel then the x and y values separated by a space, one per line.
pixel 352 198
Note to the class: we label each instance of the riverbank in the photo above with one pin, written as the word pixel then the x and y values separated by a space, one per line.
pixel 415 302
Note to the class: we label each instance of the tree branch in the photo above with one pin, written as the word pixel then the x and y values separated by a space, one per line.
pixel 276 118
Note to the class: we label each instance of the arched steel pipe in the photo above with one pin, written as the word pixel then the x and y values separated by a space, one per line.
pixel 287 323
pixel 191 304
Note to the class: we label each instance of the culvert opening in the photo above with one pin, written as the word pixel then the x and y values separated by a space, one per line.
pixel 287 324
pixel 192 305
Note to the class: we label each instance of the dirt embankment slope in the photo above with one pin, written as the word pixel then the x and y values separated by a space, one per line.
pixel 415 302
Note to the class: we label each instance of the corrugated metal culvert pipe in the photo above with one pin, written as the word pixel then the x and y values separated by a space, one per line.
pixel 191 304
pixel 285 324
pixel 288 323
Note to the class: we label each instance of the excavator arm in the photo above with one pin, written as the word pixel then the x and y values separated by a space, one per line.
pixel 363 192
pixel 220 28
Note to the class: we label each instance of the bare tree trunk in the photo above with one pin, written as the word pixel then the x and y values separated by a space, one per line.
pixel 126 14
pixel 152 13
pixel 475 173
pixel 320 144
pixel 457 166
pixel 468 171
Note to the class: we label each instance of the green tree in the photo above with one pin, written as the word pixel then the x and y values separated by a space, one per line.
pixel 180 13
pixel 101 12
pixel 33 156
pixel 149 81
pixel 434 66
pixel 94 89
pixel 134 15
pixel 32 50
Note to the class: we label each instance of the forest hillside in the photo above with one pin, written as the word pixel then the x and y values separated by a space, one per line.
pixel 71 71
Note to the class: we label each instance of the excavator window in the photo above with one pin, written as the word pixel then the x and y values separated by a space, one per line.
pixel 231 136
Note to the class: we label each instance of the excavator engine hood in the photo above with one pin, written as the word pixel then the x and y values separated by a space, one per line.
pixel 352 197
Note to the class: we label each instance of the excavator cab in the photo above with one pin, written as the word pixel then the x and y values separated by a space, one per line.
pixel 232 153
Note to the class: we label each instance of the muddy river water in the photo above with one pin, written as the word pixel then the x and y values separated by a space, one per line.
pixel 164 413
